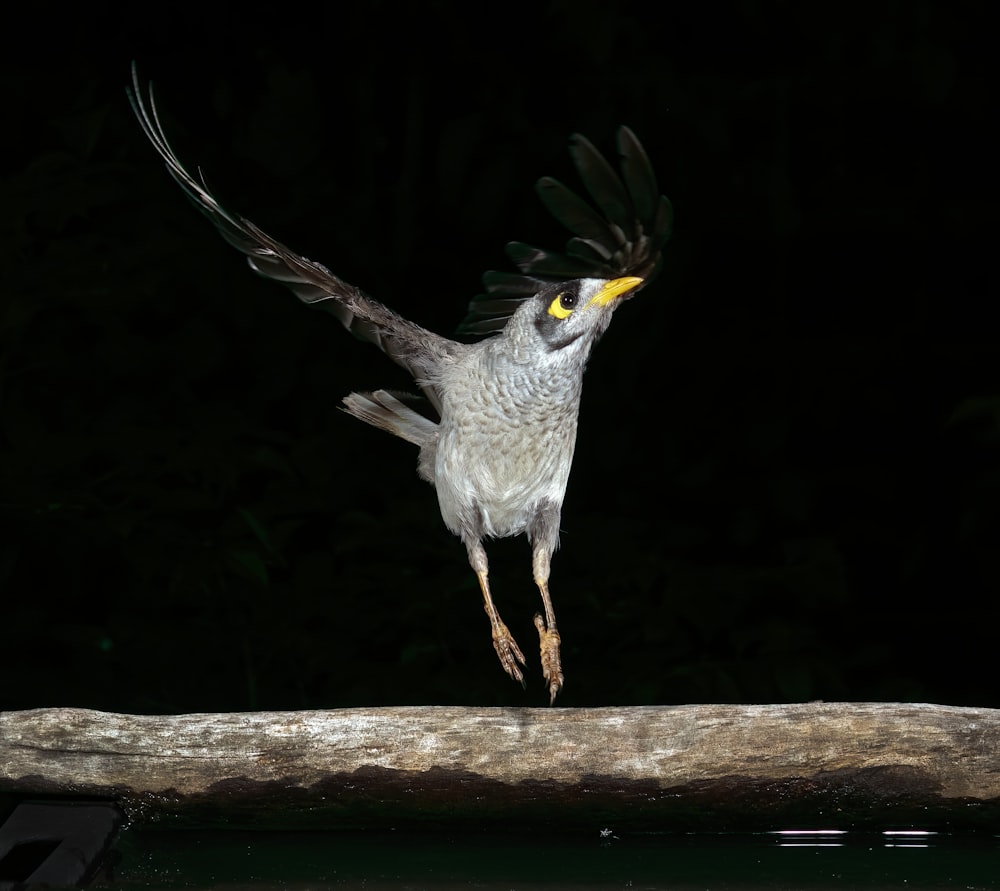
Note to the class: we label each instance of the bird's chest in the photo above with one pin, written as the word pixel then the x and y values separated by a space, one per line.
pixel 504 446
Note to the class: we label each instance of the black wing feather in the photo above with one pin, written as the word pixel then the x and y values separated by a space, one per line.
pixel 411 346
pixel 602 183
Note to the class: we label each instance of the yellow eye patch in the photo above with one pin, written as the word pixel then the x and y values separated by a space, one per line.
pixel 563 305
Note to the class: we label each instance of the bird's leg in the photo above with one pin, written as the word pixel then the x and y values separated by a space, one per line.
pixel 503 641
pixel 543 532
pixel 548 634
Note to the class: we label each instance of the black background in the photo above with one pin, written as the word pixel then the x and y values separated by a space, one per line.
pixel 786 481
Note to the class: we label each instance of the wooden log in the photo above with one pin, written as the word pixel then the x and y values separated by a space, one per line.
pixel 840 765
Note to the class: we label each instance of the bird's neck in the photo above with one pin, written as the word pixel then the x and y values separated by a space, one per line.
pixel 554 377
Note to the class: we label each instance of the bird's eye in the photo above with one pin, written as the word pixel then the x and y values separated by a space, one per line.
pixel 563 305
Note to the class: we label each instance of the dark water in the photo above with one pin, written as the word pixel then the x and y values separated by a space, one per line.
pixel 550 859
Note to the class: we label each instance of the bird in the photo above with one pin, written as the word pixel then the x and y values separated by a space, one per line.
pixel 497 438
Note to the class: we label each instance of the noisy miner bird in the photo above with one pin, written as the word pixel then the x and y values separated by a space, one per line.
pixel 499 454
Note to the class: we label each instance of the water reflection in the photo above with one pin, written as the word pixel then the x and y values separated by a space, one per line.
pixel 810 838
pixel 836 838
pixel 907 838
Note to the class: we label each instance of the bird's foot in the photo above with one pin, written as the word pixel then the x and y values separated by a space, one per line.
pixel 548 640
pixel 508 651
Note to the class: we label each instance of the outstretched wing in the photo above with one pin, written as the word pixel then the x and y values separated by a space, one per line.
pixel 415 348
pixel 623 234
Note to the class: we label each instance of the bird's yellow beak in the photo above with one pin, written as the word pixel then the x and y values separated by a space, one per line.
pixel 615 288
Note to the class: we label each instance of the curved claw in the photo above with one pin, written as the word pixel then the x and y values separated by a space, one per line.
pixel 508 652
pixel 549 640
